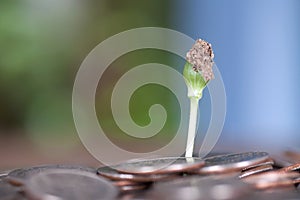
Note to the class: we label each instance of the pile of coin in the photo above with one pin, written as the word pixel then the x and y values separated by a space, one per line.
pixel 250 175
pixel 142 173
pixel 230 176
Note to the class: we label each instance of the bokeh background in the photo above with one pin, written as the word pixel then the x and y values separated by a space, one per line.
pixel 43 42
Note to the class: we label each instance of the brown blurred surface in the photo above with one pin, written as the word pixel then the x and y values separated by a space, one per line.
pixel 17 151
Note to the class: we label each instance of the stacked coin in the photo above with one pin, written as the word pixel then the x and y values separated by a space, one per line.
pixel 232 176
pixel 250 175
pixel 233 162
pixel 140 174
pixel 147 171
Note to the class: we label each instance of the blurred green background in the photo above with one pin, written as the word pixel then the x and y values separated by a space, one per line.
pixel 42 44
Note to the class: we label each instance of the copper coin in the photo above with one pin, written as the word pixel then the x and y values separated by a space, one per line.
pixel 298 187
pixel 294 167
pixel 256 170
pixel 280 162
pixel 292 156
pixel 124 183
pixel 267 162
pixel 112 174
pixel 297 181
pixel 160 165
pixel 15 181
pixel 133 188
pixel 69 184
pixel 18 176
pixel 232 162
pixel 8 192
pixel 272 179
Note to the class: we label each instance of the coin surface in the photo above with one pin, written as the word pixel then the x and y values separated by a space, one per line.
pixel 232 162
pixel 112 174
pixel 18 176
pixel 160 165
pixel 69 184
pixel 201 188
pixel 256 170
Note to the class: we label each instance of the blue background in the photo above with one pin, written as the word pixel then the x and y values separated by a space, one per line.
pixel 257 49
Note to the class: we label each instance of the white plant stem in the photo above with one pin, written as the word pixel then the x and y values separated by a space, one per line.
pixel 192 127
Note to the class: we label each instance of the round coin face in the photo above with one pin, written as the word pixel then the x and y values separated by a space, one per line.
pixel 232 162
pixel 160 165
pixel 112 174
pixel 18 176
pixel 68 184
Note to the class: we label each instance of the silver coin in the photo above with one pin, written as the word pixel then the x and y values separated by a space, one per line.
pixel 17 177
pixel 202 188
pixel 232 162
pixel 68 184
pixel 160 165
pixel 112 174
pixel 3 174
pixel 256 170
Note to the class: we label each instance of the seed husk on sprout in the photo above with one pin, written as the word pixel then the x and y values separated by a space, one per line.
pixel 197 73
